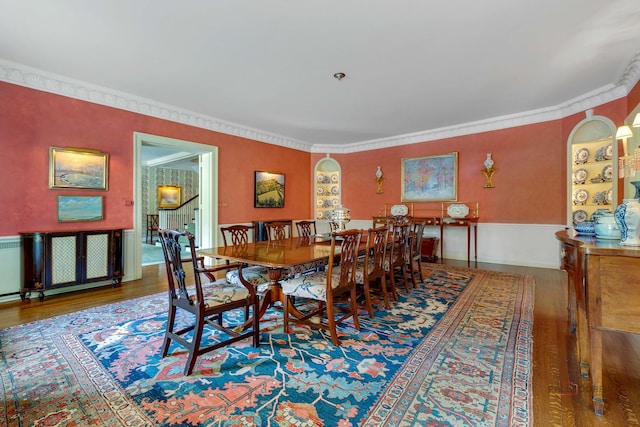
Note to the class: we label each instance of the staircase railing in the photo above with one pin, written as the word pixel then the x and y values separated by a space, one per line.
pixel 178 218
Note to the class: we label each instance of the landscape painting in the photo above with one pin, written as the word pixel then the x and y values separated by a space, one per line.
pixel 430 178
pixel 269 190
pixel 77 168
pixel 80 208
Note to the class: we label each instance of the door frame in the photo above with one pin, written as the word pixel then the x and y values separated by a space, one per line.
pixel 208 191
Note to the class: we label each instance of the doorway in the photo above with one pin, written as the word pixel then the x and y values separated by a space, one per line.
pixel 208 191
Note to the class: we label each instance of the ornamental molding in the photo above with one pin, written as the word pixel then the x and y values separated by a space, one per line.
pixel 37 79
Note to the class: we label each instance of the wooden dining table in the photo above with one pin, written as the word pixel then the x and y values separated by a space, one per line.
pixel 276 256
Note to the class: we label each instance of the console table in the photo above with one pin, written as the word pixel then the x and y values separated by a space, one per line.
pixel 443 222
pixel 604 277
pixel 52 260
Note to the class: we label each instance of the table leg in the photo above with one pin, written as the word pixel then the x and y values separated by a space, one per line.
pixel 469 245
pixel 596 371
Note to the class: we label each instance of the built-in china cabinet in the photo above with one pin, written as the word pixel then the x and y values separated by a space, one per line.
pixel 592 168
pixel 328 187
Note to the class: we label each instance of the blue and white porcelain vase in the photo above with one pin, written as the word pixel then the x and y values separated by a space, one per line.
pixel 627 217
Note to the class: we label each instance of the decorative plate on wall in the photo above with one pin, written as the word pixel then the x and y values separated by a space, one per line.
pixel 580 176
pixel 581 156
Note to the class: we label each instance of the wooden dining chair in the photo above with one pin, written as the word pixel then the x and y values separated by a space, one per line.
pixel 333 226
pixel 278 230
pixel 397 254
pixel 236 238
pixel 306 229
pixel 370 271
pixel 414 257
pixel 153 225
pixel 327 288
pixel 206 302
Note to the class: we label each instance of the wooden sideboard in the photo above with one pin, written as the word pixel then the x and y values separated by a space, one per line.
pixel 52 260
pixel 604 288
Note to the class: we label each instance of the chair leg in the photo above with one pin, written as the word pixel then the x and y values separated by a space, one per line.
pixel 419 262
pixel 285 314
pixel 383 288
pixel 170 324
pixel 354 308
pixel 392 285
pixel 194 346
pixel 367 299
pixel 331 319
pixel 412 273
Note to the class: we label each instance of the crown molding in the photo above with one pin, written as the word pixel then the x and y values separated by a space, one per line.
pixel 37 79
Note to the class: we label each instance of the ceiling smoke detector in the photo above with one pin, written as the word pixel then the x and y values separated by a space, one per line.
pixel 339 76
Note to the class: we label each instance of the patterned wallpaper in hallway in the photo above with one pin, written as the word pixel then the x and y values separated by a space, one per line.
pixel 152 177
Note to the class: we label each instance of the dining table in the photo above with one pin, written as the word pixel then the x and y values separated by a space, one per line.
pixel 277 256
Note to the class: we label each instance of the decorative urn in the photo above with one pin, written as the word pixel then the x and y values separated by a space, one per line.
pixel 341 216
pixel 627 216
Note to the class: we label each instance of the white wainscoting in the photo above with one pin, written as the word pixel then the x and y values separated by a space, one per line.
pixel 531 245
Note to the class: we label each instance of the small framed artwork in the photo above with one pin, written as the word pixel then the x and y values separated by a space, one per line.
pixel 430 178
pixel 80 208
pixel 168 196
pixel 269 190
pixel 78 168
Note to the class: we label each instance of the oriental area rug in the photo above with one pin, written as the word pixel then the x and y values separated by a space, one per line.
pixel 455 351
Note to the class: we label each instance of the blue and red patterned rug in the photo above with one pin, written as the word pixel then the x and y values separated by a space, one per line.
pixel 456 351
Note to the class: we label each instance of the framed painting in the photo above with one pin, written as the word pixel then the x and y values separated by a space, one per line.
pixel 430 178
pixel 78 168
pixel 80 208
pixel 269 190
pixel 168 196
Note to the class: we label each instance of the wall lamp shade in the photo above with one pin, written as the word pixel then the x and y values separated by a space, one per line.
pixel 636 121
pixel 624 132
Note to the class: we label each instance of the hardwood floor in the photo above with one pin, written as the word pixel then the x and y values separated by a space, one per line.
pixel 561 396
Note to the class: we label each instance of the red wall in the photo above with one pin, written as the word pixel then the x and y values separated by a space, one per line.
pixel 530 186
pixel 31 121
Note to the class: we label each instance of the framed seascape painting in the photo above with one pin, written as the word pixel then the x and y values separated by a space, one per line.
pixel 78 168
pixel 168 196
pixel 430 178
pixel 80 208
pixel 269 190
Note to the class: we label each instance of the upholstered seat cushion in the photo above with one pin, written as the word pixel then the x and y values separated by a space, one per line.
pixel 312 285
pixel 255 275
pixel 221 292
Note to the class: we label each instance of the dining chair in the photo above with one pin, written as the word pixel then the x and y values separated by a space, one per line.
pixel 153 225
pixel 397 259
pixel 327 287
pixel 236 238
pixel 206 302
pixel 370 271
pixel 333 226
pixel 414 257
pixel 278 230
pixel 306 229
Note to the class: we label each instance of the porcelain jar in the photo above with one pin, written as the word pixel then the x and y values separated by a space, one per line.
pixel 341 216
pixel 627 217
pixel 488 162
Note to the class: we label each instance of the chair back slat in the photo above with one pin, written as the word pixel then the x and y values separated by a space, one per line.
pixel 176 276
pixel 235 235
pixel 349 241
pixel 278 230
pixel 376 251
pixel 306 228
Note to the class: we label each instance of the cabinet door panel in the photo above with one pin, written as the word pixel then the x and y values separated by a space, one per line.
pixel 64 263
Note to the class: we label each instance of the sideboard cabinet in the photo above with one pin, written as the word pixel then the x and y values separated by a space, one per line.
pixel 52 260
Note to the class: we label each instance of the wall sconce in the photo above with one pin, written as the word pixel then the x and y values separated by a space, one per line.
pixel 379 180
pixel 488 171
pixel 627 164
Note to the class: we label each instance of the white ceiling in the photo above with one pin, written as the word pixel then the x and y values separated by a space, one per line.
pixel 411 65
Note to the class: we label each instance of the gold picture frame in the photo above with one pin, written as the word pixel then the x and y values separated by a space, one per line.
pixel 78 168
pixel 169 196
pixel 430 178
